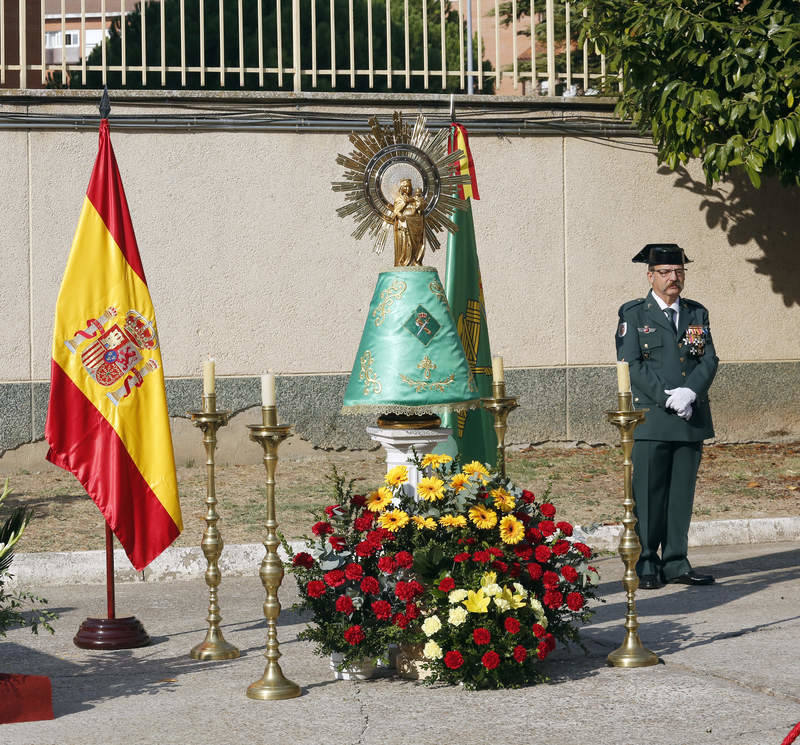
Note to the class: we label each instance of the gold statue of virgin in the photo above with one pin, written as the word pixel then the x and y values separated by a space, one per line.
pixel 409 226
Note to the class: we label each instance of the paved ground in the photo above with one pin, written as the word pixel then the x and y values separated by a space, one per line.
pixel 729 676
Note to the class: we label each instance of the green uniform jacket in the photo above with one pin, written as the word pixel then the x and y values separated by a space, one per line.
pixel 660 359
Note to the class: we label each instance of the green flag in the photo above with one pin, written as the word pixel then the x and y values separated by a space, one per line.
pixel 473 430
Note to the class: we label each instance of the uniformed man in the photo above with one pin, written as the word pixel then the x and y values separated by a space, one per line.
pixel 667 343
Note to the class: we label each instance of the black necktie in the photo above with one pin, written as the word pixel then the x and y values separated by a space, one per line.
pixel 670 314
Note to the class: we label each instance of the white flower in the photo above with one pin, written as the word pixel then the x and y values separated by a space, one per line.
pixel 431 625
pixel 457 615
pixel 538 608
pixel 502 602
pixel 542 621
pixel 432 651
pixel 456 596
pixel 521 591
pixel 492 589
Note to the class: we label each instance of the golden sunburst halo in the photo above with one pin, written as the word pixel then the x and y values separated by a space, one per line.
pixel 385 157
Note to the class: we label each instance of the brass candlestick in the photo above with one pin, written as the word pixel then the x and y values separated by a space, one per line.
pixel 273 685
pixel 631 653
pixel 214 646
pixel 500 405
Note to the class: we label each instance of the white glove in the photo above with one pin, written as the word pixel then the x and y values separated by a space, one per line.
pixel 680 400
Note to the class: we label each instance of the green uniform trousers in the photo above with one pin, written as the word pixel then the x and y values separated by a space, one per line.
pixel 664 474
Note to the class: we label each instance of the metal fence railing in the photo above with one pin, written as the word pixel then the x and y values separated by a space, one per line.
pixel 299 45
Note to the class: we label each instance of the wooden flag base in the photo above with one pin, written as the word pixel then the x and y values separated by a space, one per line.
pixel 111 633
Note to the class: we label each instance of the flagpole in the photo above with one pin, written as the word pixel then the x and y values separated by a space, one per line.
pixel 110 573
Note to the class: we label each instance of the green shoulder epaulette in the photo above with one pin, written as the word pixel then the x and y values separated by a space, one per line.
pixel 631 304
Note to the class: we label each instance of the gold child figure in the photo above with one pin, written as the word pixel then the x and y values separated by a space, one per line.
pixel 409 226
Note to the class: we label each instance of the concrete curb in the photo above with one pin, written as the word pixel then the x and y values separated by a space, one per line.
pixel 89 567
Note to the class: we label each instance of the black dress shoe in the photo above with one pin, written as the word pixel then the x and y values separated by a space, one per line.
pixel 649 582
pixel 692 578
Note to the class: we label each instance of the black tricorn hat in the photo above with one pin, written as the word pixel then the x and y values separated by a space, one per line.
pixel 661 253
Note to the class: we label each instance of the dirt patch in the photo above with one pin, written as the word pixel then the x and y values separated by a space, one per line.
pixel 735 481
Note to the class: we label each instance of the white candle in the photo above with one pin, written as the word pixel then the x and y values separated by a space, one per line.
pixel 268 389
pixel 623 377
pixel 498 374
pixel 209 384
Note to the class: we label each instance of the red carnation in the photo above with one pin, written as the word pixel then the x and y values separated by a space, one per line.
pixel 490 660
pixel 412 611
pixel 386 564
pixel 315 588
pixel 565 528
pixel 354 635
pixel 496 552
pixel 447 584
pixel 523 517
pixel 575 601
pixel 337 542
pixel 458 558
pixel 382 610
pixel 303 559
pixel 499 566
pixel 481 635
pixel 548 527
pixel 569 573
pixel 375 537
pixel 401 620
pixel 353 571
pixel 523 552
pixel 481 556
pixel 358 500
pixel 535 571
pixel 584 549
pixel 344 604
pixel 365 549
pixel 404 559
pixel 364 522
pixel 550 580
pixel 560 548
pixel 322 528
pixel 534 535
pixel 548 510
pixel 550 640
pixel 330 509
pixel 408 590
pixel 511 625
pixel 370 586
pixel 520 654
pixel 453 660
pixel 538 630
pixel 334 578
pixel 542 553
pixel 470 541
pixel 516 568
pixel 553 599
pixel 542 650
pixel 528 496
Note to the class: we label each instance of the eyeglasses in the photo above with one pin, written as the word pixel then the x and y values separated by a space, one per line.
pixel 666 272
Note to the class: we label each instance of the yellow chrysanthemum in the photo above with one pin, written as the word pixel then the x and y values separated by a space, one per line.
pixel 511 530
pixel 430 489
pixel 502 499
pixel 477 602
pixel 435 460
pixel 459 481
pixel 393 520
pixel 482 516
pixel 453 521
pixel 396 476
pixel 379 500
pixel 423 523
pixel 476 468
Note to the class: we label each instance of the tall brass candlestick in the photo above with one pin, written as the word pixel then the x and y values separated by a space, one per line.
pixel 631 653
pixel 500 405
pixel 214 646
pixel 273 685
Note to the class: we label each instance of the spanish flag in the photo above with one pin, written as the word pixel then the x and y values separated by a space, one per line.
pixel 107 420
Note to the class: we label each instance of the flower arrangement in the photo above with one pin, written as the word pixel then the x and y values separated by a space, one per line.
pixel 474 571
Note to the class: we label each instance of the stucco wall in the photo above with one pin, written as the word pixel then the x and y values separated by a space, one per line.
pixel 247 261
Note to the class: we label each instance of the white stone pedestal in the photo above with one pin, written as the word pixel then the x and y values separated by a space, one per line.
pixel 398 444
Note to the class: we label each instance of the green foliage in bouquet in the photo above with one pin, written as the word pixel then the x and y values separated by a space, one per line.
pixel 12 602
pixel 473 570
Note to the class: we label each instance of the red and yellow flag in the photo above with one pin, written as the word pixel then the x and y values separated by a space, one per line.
pixel 107 420
pixel 465 166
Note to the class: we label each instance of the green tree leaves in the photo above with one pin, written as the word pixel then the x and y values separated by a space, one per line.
pixel 710 80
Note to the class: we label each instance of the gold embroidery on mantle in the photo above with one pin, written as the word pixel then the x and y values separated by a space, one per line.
pixel 368 374
pixel 393 292
pixel 428 385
